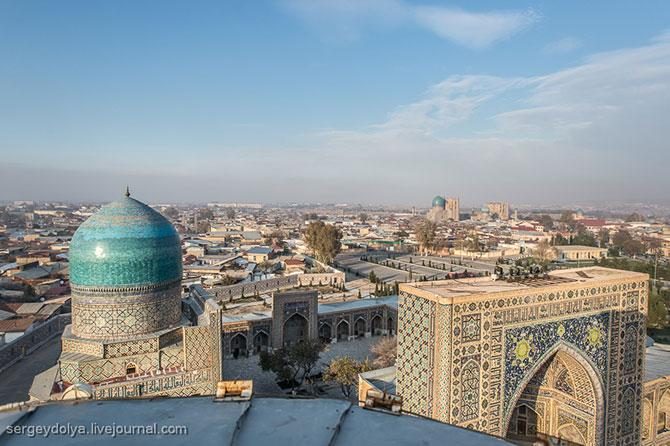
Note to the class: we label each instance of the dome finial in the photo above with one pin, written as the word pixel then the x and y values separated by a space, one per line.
pixel 127 191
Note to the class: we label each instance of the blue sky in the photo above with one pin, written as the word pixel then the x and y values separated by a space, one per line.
pixel 370 101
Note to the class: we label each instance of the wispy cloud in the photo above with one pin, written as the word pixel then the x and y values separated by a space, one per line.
pixel 347 19
pixel 474 30
pixel 563 46
pixel 597 130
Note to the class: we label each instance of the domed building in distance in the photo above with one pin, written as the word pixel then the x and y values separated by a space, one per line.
pixel 444 209
pixel 439 202
pixel 129 336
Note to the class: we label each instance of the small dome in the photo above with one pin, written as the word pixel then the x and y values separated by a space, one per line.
pixel 126 243
pixel 439 202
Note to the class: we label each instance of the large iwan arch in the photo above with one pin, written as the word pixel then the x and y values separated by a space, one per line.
pixel 560 399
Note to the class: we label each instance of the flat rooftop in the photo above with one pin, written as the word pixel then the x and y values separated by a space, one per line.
pixel 259 422
pixel 657 361
pixel 460 289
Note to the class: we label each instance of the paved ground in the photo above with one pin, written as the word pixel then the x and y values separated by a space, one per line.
pixel 15 381
pixel 400 266
pixel 264 382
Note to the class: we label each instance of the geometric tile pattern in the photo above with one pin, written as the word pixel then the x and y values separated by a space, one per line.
pixel 415 358
pixel 111 315
pixel 467 362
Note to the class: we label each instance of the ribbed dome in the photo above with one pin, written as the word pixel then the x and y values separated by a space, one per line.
pixel 439 202
pixel 125 244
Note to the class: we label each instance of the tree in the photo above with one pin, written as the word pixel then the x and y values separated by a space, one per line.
pixel 401 234
pixel 473 244
pixel 385 352
pixel 658 312
pixel 205 214
pixel 293 364
pixel 171 212
pixel 559 240
pixel 344 371
pixel 584 237
pixel 324 240
pixel 634 217
pixel 426 233
pixel 620 238
pixel 230 213
pixel 363 217
pixel 544 252
pixel 568 219
pixel 546 221
pixel 634 248
pixel 603 237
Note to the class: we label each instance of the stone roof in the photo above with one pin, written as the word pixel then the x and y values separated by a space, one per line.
pixel 259 422
pixel 657 361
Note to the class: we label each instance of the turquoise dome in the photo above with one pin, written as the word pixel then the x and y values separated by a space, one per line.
pixel 439 202
pixel 125 244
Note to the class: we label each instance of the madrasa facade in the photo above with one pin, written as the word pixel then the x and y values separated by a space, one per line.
pixel 546 360
pixel 129 336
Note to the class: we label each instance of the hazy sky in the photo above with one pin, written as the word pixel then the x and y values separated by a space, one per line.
pixel 360 101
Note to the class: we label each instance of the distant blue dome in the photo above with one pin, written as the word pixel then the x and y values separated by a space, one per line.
pixel 439 202
pixel 125 244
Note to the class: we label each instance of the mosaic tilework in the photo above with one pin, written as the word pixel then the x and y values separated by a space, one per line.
pixel 125 243
pixel 122 318
pixel 526 345
pixel 415 354
pixel 601 325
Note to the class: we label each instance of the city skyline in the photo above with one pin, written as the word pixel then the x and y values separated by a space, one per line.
pixel 341 102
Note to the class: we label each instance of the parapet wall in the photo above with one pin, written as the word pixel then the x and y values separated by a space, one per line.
pixel 12 352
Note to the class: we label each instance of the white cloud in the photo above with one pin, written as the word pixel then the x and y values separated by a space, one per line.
pixel 474 30
pixel 597 131
pixel 346 19
pixel 563 46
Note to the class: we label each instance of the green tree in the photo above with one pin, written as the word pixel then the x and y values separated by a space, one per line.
pixel 363 217
pixel 603 237
pixel 293 364
pixel 324 240
pixel 658 312
pixel 546 221
pixel 584 237
pixel 344 371
pixel 426 234
pixel 230 213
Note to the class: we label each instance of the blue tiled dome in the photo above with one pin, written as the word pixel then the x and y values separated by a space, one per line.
pixel 125 244
pixel 439 202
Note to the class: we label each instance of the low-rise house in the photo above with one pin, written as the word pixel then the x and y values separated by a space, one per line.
pixel 574 253
pixel 258 254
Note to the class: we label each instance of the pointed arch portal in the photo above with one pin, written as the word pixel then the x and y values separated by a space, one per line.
pixel 560 402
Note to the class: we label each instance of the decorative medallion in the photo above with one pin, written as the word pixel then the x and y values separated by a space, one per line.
pixel 560 331
pixel 523 350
